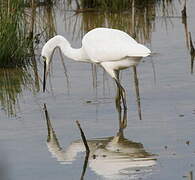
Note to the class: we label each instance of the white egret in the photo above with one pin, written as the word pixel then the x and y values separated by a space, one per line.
pixel 112 49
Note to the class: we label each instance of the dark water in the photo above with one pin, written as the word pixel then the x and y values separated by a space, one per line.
pixel 160 146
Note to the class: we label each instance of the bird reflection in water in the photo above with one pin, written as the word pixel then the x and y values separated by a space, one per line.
pixel 112 157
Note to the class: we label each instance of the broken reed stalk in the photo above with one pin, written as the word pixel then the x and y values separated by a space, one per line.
pixel 192 49
pixel 83 137
pixel 192 53
pixel 85 165
pixel 87 150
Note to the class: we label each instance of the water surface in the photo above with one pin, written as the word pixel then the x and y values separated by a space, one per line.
pixel 166 86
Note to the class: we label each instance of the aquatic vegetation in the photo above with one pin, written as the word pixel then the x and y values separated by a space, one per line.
pixel 14 41
pixel 139 26
pixel 12 82
pixel 111 5
pixel 138 20
pixel 18 19
pixel 115 5
pixel 24 24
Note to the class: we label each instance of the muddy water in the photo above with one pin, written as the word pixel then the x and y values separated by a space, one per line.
pixel 160 146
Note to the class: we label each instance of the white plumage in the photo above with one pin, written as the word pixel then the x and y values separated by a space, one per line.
pixel 104 44
pixel 112 49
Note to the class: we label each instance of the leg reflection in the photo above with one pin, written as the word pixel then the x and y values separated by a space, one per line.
pixel 136 82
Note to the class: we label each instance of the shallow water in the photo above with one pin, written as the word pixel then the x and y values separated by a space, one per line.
pixel 166 131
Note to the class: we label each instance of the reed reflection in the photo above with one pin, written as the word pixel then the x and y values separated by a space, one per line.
pixel 44 18
pixel 136 84
pixel 185 23
pixel 138 20
pixel 188 36
pixel 41 19
pixel 39 24
pixel 190 175
pixel 140 26
pixel 13 81
pixel 111 157
pixel 192 53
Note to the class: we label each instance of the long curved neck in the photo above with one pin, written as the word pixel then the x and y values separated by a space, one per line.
pixel 67 50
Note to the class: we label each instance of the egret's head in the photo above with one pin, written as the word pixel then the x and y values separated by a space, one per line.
pixel 46 57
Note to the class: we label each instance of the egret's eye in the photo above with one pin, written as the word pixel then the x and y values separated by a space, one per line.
pixel 44 58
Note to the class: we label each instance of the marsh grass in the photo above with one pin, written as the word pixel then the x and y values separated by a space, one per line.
pixel 14 41
pixel 109 5
pixel 24 26
pixel 114 5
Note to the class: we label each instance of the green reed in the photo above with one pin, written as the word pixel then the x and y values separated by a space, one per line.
pixel 14 41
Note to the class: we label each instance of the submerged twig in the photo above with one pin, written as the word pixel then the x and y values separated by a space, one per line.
pixel 192 52
pixel 87 150
pixel 85 165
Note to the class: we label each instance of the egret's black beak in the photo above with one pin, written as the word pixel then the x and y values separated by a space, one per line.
pixel 44 76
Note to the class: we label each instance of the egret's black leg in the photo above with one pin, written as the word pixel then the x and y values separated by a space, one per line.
pixel 121 90
pixel 115 75
pixel 123 95
pixel 118 95
pixel 122 114
pixel 118 105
